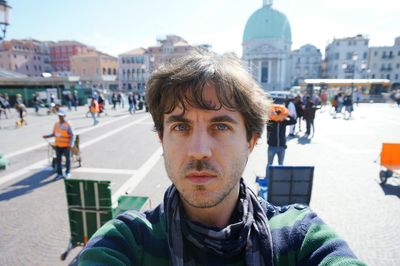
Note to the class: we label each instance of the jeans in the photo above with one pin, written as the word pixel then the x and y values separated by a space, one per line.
pixel 280 151
pixel 94 114
pixel 60 152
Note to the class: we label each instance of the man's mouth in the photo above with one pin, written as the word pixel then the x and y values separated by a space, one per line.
pixel 200 177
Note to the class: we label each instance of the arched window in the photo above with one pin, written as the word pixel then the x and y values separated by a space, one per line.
pixel 109 71
pixel 104 71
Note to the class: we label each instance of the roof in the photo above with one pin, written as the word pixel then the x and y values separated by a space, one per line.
pixel 136 51
pixel 11 74
pixel 267 23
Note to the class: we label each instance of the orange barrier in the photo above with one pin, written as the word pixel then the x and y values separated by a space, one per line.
pixel 390 159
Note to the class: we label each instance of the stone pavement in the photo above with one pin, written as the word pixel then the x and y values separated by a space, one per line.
pixel 346 190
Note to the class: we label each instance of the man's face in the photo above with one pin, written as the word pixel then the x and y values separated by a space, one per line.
pixel 205 152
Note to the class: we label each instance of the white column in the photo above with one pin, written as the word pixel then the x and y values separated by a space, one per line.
pixel 259 71
pixel 283 80
pixel 269 70
pixel 278 72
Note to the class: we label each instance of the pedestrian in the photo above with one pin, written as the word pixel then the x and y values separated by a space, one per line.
pixel 298 103
pixel 102 104
pixel 3 106
pixel 121 99
pixel 21 110
pixel 75 100
pixel 208 114
pixel 64 141
pixel 94 110
pixel 132 103
pixel 339 103
pixel 348 105
pixel 276 133
pixel 36 103
pixel 68 101
pixel 292 113
pixel 397 97
pixel 309 115
pixel 114 100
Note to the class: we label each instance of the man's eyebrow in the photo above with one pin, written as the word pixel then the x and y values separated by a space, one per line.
pixel 176 118
pixel 224 118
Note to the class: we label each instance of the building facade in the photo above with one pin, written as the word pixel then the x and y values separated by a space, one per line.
pixel 167 49
pixel 347 58
pixel 267 41
pixel 61 53
pixel 95 69
pixel 29 57
pixel 306 63
pixel 133 70
pixel 384 62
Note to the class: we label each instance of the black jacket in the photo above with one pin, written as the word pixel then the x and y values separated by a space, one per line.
pixel 276 132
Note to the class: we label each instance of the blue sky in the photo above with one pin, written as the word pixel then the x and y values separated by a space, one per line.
pixel 117 26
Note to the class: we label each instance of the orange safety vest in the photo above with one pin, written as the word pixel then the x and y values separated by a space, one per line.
pixel 62 138
pixel 94 107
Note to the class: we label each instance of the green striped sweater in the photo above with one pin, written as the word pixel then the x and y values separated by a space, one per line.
pixel 299 237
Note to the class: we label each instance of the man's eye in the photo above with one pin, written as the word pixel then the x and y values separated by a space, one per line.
pixel 221 127
pixel 181 127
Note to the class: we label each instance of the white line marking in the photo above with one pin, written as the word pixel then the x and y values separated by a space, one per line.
pixel 135 179
pixel 34 147
pixel 105 171
pixel 42 163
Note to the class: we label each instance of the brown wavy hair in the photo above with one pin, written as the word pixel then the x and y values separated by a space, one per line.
pixel 182 82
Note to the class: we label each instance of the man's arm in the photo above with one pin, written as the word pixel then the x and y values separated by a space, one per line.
pixel 72 135
pixel 301 238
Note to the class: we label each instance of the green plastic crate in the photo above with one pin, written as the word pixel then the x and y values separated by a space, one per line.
pixel 126 203
pixel 89 207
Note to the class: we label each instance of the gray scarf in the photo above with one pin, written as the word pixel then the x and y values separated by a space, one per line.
pixel 251 232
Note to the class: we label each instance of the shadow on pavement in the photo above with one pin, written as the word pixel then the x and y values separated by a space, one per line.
pixel 391 190
pixel 303 140
pixel 27 185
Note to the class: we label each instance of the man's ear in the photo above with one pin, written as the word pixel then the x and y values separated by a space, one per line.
pixel 253 141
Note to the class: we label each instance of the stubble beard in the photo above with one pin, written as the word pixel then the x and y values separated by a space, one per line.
pixel 198 196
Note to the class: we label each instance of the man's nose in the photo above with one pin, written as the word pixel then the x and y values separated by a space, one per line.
pixel 200 145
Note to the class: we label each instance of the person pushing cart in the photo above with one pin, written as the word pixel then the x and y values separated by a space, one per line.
pixel 64 140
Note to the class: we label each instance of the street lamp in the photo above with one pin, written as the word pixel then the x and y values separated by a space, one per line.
pixel 4 17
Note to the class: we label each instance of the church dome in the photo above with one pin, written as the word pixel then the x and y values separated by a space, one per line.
pixel 267 23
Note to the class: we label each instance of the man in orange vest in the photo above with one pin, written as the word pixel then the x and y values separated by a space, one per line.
pixel 94 109
pixel 64 141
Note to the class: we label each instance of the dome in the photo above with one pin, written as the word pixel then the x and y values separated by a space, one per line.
pixel 267 23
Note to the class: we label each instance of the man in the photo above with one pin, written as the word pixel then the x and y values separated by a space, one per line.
pixel 289 103
pixel 309 116
pixel 209 113
pixel 64 141
pixel 132 103
pixel 94 110
pixel 276 134
pixel 36 102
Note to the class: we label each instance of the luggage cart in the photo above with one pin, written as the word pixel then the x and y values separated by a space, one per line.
pixel 390 161
pixel 75 153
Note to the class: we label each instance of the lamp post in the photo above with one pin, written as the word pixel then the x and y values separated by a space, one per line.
pixel 4 17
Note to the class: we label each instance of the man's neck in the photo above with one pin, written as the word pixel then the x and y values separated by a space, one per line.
pixel 217 216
